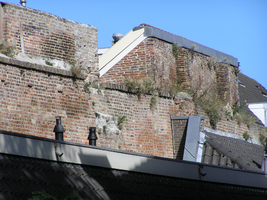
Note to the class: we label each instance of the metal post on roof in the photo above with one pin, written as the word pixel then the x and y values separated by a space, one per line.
pixel 92 136
pixel 59 129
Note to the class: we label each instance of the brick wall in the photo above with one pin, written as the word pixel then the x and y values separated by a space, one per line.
pixel 151 58
pixel 33 95
pixel 41 34
pixel 179 136
pixel 192 70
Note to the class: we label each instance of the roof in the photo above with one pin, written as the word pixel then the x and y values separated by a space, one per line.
pixel 22 176
pixel 232 152
pixel 250 91
pixel 29 164
pixel 143 31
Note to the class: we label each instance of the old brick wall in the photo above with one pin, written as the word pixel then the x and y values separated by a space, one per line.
pixel 179 128
pixel 151 58
pixel 41 34
pixel 195 72
pixel 33 95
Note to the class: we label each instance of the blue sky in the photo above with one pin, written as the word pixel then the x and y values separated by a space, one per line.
pixel 235 27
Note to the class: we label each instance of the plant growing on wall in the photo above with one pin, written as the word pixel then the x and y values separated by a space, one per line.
pixel 236 70
pixel 143 86
pixel 153 102
pixel 120 121
pixel 246 118
pixel 9 51
pixel 246 136
pixel 212 106
pixel 212 63
pixel 47 62
pixel 77 71
pixel 86 87
pixel 175 52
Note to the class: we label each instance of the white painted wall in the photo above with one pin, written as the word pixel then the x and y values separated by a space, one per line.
pixel 260 110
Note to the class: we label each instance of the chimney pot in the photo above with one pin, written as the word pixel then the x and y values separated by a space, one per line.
pixel 23 3
pixel 92 136
pixel 59 129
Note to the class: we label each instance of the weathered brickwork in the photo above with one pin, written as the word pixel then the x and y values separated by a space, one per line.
pixel 33 95
pixel 193 71
pixel 41 34
pixel 179 134
pixel 31 99
pixel 152 58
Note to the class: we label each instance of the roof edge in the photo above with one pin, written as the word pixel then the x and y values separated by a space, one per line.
pixel 86 155
pixel 183 42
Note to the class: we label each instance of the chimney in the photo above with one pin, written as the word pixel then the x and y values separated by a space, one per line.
pixel 92 136
pixel 23 3
pixel 59 129
pixel 116 37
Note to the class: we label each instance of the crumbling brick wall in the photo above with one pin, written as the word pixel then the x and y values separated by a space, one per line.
pixel 41 34
pixel 33 95
pixel 151 58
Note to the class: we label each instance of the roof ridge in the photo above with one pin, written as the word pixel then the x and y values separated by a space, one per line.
pixel 144 24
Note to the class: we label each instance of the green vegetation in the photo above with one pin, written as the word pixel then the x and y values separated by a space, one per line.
pixel 143 86
pixel 86 87
pixel 77 71
pixel 105 129
pixel 49 63
pixel 97 115
pixel 153 101
pixel 120 121
pixel 9 51
pixel 246 136
pixel 212 105
pixel 175 52
pixel 236 70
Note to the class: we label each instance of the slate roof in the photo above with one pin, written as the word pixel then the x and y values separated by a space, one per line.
pixel 20 176
pixel 250 91
pixel 232 152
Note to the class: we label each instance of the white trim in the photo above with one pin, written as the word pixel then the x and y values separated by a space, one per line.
pixel 119 50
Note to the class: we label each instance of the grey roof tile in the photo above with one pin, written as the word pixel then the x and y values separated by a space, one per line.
pixel 250 91
pixel 232 152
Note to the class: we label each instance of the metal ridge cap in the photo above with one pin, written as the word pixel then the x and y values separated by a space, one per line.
pixel 151 31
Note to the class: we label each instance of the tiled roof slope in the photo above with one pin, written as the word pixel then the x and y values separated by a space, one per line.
pixel 20 176
pixel 250 91
pixel 232 152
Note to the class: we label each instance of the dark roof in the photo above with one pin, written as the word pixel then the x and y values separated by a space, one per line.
pixel 232 152
pixel 20 176
pixel 250 91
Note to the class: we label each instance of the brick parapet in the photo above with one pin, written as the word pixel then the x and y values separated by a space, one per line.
pixel 37 67
pixel 41 34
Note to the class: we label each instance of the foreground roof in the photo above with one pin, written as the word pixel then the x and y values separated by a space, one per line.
pixel 29 164
pixel 232 152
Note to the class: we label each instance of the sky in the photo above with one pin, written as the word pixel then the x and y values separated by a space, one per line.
pixel 235 27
